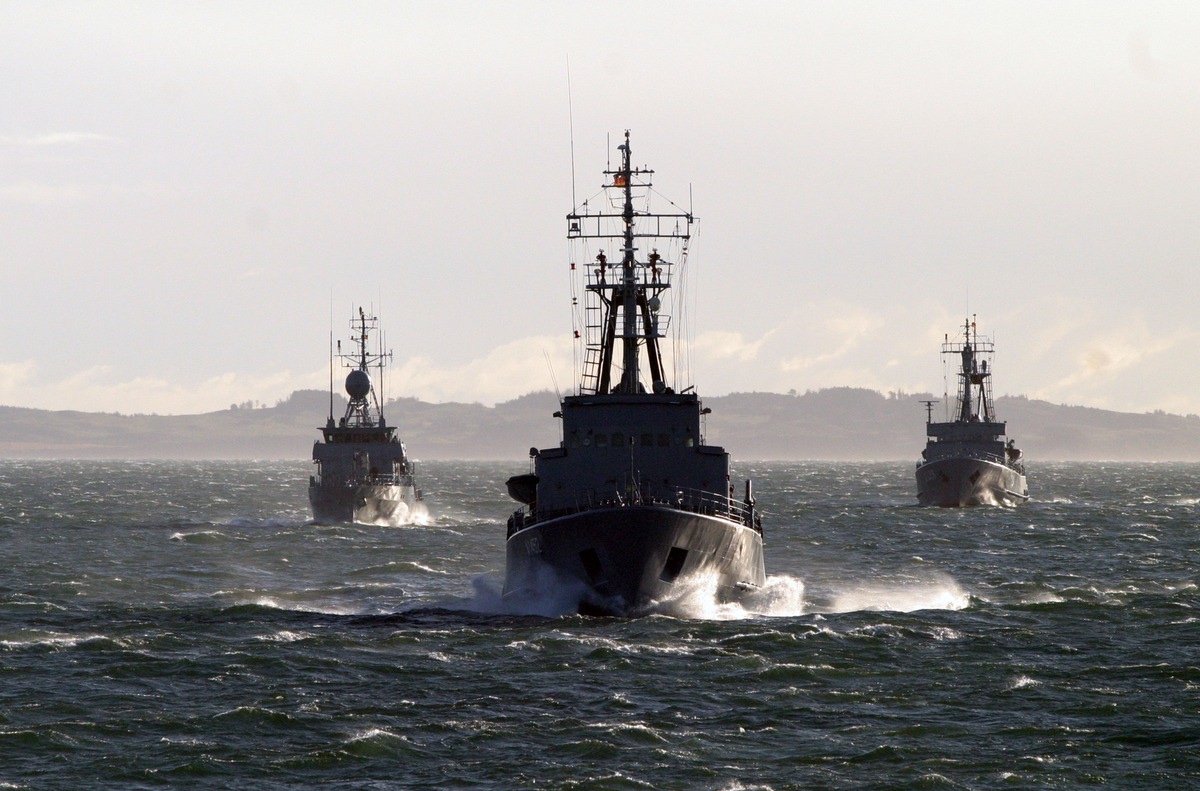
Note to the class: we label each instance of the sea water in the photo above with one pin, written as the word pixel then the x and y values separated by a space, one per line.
pixel 184 624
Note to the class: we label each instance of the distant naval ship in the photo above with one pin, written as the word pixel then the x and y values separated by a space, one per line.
pixel 632 501
pixel 966 460
pixel 363 471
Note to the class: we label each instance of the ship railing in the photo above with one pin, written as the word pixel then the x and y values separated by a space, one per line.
pixel 696 501
pixel 350 481
pixel 996 458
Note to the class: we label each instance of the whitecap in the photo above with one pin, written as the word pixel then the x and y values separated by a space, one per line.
pixel 935 594
pixel 282 636
pixel 198 536
pixel 632 727
pixel 404 516
pixel 51 640
pixel 375 734
pixel 420 567
pixel 323 609
pixel 1022 682
pixel 696 598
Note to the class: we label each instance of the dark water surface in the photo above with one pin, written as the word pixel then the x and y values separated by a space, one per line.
pixel 180 624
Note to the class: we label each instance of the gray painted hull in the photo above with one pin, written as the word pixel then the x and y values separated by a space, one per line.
pixel 960 482
pixel 619 560
pixel 362 504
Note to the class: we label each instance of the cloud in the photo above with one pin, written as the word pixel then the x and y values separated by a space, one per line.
pixel 843 326
pixel 846 346
pixel 1141 61
pixel 53 139
pixel 95 390
pixel 15 375
pixel 722 345
pixel 507 371
pixel 1102 360
pixel 39 193
pixel 42 194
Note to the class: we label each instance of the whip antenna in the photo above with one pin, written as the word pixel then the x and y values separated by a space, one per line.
pixel 330 355
pixel 571 122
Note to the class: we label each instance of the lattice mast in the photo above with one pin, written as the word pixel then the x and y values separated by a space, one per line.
pixel 623 301
pixel 364 401
pixel 974 378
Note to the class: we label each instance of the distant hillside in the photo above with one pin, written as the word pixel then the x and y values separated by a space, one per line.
pixel 837 423
pixel 852 423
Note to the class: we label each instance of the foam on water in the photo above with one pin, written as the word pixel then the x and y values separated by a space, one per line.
pixel 405 516
pixel 695 598
pixel 323 608
pixel 198 536
pixel 413 565
pixel 375 734
pixel 939 593
pixel 283 636
pixel 36 639
pixel 1023 682
pixel 550 596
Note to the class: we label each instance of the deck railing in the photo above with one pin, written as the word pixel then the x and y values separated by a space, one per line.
pixel 696 501
pixel 379 479
pixel 996 458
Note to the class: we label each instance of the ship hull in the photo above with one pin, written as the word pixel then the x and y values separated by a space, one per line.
pixel 961 482
pixel 365 504
pixel 620 560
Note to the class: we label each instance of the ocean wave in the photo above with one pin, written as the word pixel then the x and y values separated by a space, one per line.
pixel 56 640
pixel 696 598
pixel 935 594
pixel 199 536
pixel 322 608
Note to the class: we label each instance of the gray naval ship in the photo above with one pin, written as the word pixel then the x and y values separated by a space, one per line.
pixel 632 502
pixel 363 471
pixel 966 461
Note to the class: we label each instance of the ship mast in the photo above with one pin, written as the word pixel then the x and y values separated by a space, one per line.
pixel 359 386
pixel 630 300
pixel 974 373
pixel 630 293
pixel 966 412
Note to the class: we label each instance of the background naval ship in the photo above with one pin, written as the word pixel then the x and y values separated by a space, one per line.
pixel 363 471
pixel 632 502
pixel 966 461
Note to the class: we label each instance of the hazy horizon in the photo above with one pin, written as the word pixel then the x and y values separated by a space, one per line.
pixel 194 192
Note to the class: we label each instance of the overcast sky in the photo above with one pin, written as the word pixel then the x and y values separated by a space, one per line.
pixel 188 190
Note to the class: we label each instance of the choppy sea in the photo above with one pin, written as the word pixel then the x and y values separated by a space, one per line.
pixel 183 624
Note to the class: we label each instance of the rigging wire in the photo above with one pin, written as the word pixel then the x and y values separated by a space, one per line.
pixel 553 377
